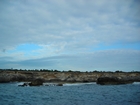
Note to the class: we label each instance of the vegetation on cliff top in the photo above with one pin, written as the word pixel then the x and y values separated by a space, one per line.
pixel 55 70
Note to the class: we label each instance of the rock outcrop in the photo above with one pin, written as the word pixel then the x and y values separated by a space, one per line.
pixel 60 77
pixel 112 81
pixel 36 82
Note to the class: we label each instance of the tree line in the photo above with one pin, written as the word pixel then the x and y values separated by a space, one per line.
pixel 55 70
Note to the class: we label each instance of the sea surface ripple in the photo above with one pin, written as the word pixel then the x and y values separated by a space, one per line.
pixel 70 94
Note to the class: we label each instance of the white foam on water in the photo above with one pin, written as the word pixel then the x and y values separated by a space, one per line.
pixel 136 83
pixel 49 84
pixel 21 83
pixel 77 84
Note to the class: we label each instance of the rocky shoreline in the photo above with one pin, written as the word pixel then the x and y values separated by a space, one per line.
pixel 112 81
pixel 69 77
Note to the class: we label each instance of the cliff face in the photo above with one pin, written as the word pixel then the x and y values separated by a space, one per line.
pixel 10 76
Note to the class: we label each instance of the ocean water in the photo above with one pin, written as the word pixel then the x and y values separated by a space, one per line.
pixel 70 94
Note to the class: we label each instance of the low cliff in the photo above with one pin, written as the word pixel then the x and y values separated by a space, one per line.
pixel 11 76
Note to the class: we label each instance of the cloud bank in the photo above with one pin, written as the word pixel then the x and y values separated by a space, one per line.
pixel 78 35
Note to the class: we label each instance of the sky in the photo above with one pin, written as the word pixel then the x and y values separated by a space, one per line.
pixel 78 35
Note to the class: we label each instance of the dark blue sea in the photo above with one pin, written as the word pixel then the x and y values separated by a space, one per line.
pixel 70 94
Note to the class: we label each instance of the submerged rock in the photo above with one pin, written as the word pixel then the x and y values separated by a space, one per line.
pixel 111 81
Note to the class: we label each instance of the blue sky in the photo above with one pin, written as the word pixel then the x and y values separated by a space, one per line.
pixel 84 35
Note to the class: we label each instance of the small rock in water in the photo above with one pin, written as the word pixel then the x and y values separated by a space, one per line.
pixel 24 84
pixel 60 84
pixel 36 82
pixel 111 81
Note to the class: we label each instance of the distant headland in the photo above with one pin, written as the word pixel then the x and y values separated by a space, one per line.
pixel 45 75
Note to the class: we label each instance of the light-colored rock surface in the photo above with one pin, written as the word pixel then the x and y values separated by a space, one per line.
pixel 8 76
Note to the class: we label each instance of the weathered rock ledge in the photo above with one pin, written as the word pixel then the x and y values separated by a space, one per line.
pixel 28 76
pixel 112 81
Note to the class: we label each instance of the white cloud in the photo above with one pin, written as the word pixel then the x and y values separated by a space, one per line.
pixel 67 27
